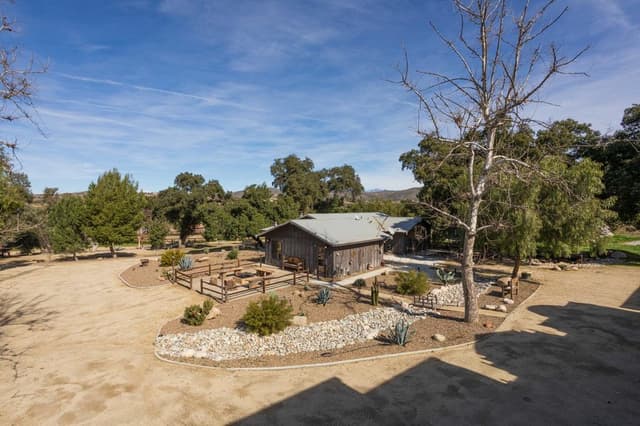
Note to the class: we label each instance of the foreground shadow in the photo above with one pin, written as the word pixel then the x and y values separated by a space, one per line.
pixel 587 373
pixel 28 315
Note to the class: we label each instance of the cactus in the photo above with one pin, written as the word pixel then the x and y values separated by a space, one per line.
pixel 445 276
pixel 400 334
pixel 375 293
pixel 185 263
pixel 323 296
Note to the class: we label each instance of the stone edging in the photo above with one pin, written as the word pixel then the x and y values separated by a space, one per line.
pixel 346 361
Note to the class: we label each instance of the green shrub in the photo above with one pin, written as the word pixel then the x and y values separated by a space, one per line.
pixel 171 257
pixel 233 254
pixel 268 316
pixel 196 314
pixel 359 283
pixel 412 282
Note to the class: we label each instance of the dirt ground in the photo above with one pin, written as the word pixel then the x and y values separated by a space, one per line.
pixel 76 347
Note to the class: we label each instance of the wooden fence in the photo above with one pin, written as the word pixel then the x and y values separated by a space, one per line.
pixel 223 293
pixel 185 278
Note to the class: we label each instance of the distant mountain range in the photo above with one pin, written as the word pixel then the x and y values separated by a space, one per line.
pixel 410 194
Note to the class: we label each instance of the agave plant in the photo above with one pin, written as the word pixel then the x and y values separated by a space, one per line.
pixel 323 296
pixel 185 263
pixel 445 276
pixel 400 334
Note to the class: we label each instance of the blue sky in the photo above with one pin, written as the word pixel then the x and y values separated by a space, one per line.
pixel 221 88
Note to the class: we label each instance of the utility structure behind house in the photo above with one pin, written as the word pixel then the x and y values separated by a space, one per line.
pixel 333 245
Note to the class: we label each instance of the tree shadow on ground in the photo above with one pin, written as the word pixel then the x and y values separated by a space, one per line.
pixel 28 315
pixel 586 371
pixel 17 263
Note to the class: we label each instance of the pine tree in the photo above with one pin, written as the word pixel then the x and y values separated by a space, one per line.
pixel 114 209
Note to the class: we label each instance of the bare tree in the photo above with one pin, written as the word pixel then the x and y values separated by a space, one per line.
pixel 16 83
pixel 503 67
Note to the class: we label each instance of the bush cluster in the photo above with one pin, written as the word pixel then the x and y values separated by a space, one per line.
pixel 359 283
pixel 268 316
pixel 233 254
pixel 413 283
pixel 196 314
pixel 171 257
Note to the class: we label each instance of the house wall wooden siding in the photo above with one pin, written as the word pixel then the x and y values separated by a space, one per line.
pixel 338 261
pixel 293 242
pixel 408 243
pixel 352 259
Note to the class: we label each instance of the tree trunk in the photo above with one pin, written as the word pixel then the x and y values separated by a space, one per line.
pixel 112 250
pixel 516 266
pixel 75 257
pixel 471 310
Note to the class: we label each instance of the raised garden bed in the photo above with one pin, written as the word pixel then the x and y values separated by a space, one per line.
pixel 343 303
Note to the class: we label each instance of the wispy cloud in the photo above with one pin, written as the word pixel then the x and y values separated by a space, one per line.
pixel 223 88
pixel 211 100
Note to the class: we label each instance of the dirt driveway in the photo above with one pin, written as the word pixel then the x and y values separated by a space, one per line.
pixel 76 347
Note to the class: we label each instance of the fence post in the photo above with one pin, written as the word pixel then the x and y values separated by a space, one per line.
pixel 209 269
pixel 307 277
pixel 294 277
pixel 201 291
pixel 264 286
pixel 238 262
pixel 190 283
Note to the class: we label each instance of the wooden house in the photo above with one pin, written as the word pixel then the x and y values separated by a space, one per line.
pixel 336 245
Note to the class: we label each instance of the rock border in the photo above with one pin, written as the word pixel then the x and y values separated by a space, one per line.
pixel 500 328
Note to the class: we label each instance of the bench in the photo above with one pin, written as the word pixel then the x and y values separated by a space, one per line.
pixel 293 263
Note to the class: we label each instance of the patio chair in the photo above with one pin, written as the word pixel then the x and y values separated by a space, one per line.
pixel 509 286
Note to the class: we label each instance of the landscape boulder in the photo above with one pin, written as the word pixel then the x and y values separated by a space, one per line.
pixel 213 313
pixel 439 337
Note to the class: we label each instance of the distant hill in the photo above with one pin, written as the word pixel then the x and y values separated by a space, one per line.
pixel 410 194
pixel 238 194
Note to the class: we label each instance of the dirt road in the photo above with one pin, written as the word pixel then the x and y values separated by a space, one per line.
pixel 76 346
